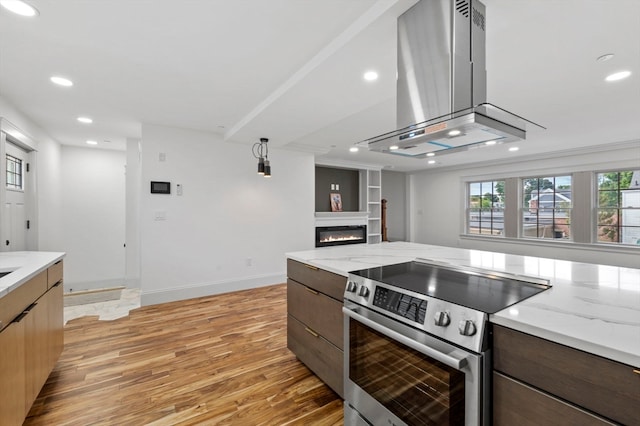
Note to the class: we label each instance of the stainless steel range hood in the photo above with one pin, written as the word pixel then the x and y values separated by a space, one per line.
pixel 441 88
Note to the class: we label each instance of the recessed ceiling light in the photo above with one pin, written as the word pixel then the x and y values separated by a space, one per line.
pixel 370 75
pixel 431 161
pixel 618 76
pixel 490 143
pixel 514 149
pixel 92 143
pixel 353 149
pixel 19 7
pixel 604 57
pixel 454 133
pixel 85 120
pixel 430 154
pixel 61 81
pixel 393 147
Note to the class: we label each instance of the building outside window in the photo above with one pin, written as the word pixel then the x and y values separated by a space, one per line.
pixel 485 208
pixel 546 211
pixel 14 173
pixel 618 207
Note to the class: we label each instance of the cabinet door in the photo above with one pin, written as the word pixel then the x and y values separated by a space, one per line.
pixel 12 373
pixel 36 349
pixel 318 279
pixel 319 312
pixel 53 300
pixel 515 403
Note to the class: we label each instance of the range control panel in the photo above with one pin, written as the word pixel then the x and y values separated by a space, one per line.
pixel 409 307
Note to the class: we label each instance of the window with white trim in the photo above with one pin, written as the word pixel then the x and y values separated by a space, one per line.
pixel 485 208
pixel 14 173
pixel 618 207
pixel 546 207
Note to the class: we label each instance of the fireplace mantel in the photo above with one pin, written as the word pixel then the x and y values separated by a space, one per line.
pixel 341 218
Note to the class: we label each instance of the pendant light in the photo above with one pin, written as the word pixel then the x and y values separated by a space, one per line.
pixel 261 152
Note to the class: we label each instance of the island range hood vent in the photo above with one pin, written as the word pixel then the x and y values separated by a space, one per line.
pixel 442 84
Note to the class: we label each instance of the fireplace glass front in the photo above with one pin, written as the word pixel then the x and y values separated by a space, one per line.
pixel 340 235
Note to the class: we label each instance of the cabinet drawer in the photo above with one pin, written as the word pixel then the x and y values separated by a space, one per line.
pixel 606 387
pixel 54 274
pixel 19 299
pixel 317 353
pixel 319 312
pixel 514 403
pixel 325 282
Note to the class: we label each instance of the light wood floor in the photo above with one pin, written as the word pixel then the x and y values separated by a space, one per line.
pixel 218 360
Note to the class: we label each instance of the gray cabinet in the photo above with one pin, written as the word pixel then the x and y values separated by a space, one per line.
pixel 536 381
pixel 314 321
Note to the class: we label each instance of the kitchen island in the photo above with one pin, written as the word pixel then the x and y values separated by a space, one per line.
pixel 31 328
pixel 591 310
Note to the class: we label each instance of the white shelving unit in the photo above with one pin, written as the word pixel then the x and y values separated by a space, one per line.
pixel 374 206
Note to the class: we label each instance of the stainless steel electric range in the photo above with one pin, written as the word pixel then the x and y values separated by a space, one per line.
pixel 417 346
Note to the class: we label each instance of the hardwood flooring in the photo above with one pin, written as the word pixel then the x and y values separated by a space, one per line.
pixel 217 360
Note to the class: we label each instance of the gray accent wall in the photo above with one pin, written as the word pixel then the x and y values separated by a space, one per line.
pixel 349 183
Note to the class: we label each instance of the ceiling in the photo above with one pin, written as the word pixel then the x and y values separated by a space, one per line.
pixel 292 71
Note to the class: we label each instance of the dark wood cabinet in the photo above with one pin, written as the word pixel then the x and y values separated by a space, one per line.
pixel 548 377
pixel 315 323
pixel 31 341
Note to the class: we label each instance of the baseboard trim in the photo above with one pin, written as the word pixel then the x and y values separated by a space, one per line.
pixel 154 297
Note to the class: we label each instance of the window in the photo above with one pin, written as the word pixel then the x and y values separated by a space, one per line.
pixel 485 208
pixel 618 207
pixel 546 209
pixel 14 173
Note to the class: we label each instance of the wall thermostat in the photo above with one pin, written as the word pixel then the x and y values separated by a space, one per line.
pixel 160 187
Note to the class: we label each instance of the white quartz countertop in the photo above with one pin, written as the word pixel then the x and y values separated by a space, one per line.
pixel 24 265
pixel 594 308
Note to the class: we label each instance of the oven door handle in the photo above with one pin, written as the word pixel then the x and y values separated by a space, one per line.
pixel 451 361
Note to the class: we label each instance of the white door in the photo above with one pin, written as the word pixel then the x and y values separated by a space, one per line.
pixel 14 216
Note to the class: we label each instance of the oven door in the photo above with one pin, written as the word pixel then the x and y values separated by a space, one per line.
pixel 397 375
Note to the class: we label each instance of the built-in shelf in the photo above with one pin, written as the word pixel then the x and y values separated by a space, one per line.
pixel 374 207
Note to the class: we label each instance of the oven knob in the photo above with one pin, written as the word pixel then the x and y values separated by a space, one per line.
pixel 352 287
pixel 467 328
pixel 364 292
pixel 442 319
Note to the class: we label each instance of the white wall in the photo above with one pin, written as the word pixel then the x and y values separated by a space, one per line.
pixel 437 204
pixel 132 215
pixel 48 185
pixel 231 228
pixel 394 190
pixel 93 223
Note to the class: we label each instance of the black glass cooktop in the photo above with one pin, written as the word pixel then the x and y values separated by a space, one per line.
pixel 482 291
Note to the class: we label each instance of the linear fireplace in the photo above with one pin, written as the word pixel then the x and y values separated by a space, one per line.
pixel 340 235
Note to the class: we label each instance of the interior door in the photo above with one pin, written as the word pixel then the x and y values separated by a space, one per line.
pixel 14 216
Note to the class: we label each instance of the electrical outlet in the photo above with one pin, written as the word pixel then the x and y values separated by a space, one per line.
pixel 249 261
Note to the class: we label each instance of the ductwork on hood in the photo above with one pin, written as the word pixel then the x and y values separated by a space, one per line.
pixel 441 87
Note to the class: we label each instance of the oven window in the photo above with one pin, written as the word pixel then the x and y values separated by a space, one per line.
pixel 414 387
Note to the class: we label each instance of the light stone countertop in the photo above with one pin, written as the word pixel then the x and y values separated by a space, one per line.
pixel 23 266
pixel 594 308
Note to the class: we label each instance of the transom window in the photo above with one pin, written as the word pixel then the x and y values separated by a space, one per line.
pixel 618 209
pixel 14 173
pixel 546 211
pixel 485 208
